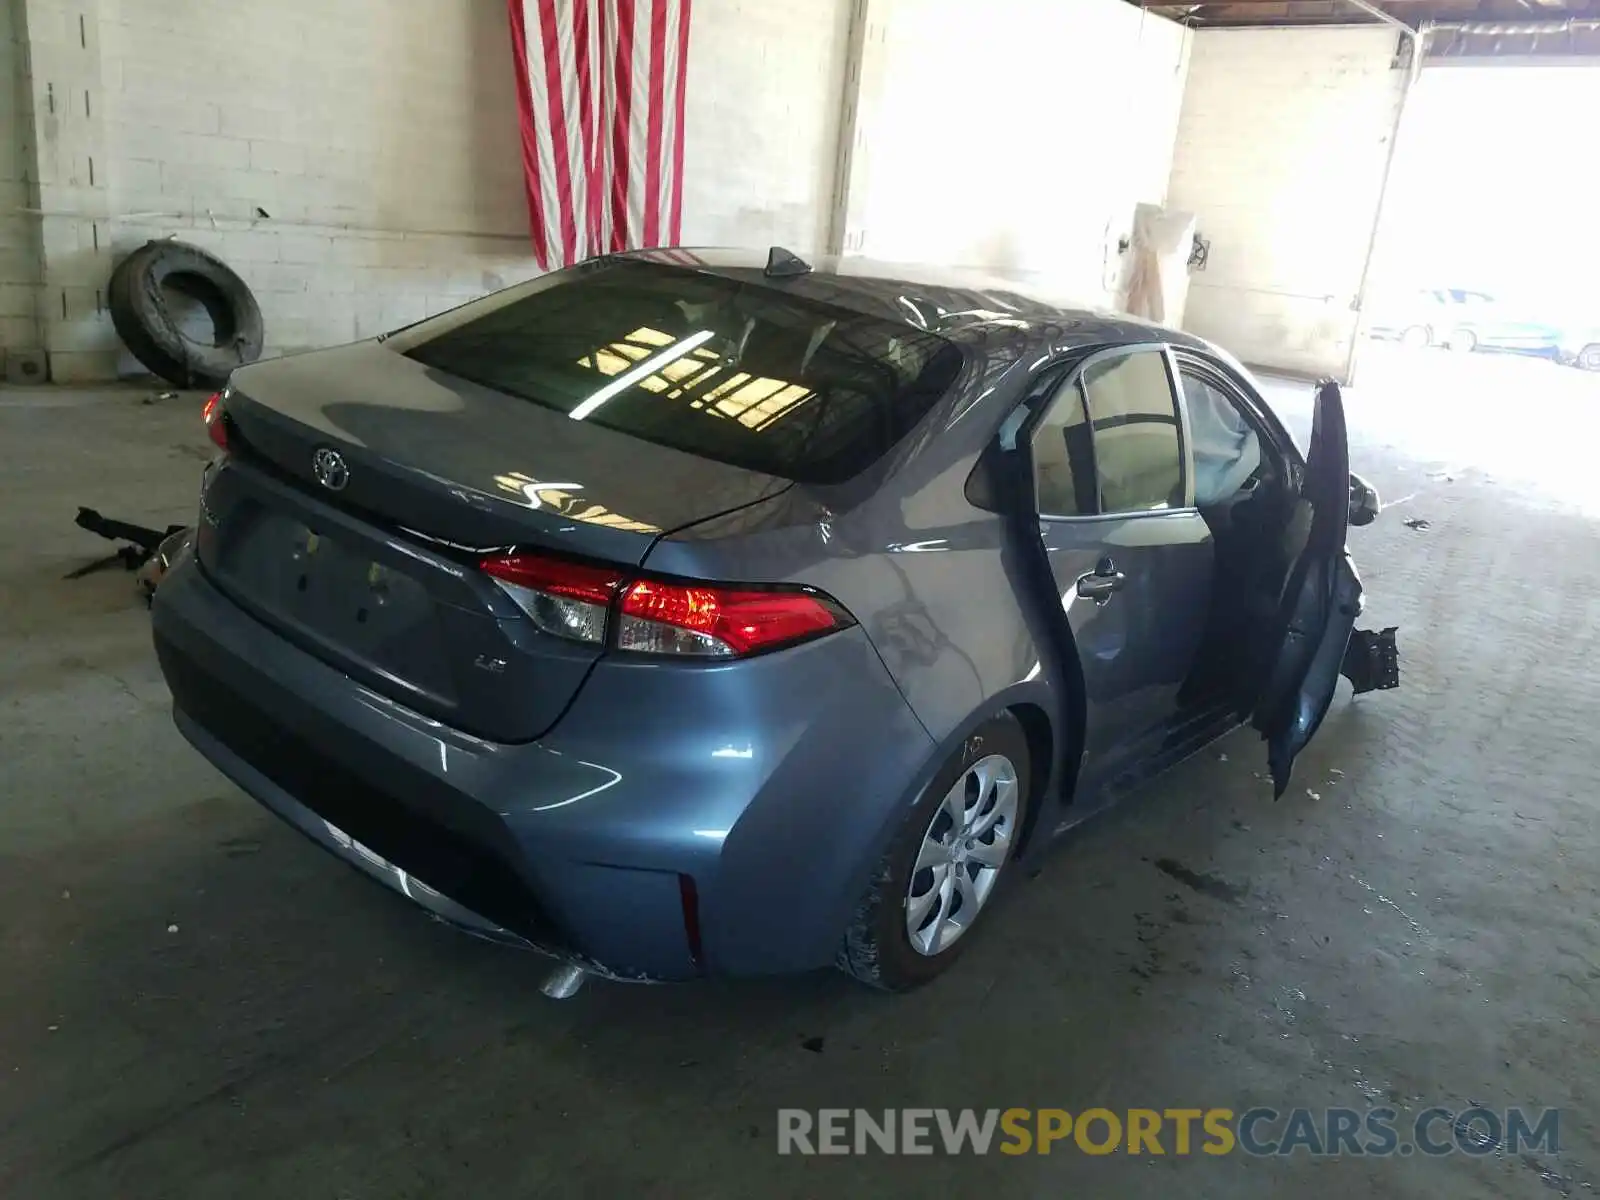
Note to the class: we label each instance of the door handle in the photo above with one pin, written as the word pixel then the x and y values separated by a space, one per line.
pixel 1101 584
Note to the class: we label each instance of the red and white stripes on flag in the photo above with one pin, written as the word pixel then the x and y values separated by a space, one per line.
pixel 600 87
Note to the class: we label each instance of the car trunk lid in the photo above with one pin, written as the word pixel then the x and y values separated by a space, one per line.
pixel 374 567
pixel 470 465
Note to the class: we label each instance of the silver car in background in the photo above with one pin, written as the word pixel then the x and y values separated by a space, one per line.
pixel 1461 319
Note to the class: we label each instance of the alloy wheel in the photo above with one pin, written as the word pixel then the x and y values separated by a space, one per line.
pixel 961 854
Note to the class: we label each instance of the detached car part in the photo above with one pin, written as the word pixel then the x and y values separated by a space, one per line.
pixel 149 551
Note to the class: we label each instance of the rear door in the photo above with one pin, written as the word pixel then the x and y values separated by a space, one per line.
pixel 1320 602
pixel 1129 555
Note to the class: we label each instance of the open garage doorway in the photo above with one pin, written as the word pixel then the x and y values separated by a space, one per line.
pixel 1483 305
pixel 1486 244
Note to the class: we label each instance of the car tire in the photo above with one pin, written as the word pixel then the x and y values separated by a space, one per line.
pixel 1417 337
pixel 1463 341
pixel 1589 357
pixel 149 329
pixel 989 774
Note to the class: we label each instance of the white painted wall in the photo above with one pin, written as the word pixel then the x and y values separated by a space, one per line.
pixel 1281 154
pixel 761 121
pixel 1016 136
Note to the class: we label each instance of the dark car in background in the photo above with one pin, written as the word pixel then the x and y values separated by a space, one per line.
pixel 704 617
pixel 1463 320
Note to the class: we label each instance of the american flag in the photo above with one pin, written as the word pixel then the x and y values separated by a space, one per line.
pixel 600 87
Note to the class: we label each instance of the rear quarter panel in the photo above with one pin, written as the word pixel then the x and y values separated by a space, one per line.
pixel 935 582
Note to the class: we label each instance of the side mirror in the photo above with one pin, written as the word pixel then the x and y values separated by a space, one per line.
pixel 1364 502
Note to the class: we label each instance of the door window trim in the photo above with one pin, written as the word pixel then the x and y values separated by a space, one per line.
pixel 1074 376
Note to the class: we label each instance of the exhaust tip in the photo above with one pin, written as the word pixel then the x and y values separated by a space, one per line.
pixel 563 982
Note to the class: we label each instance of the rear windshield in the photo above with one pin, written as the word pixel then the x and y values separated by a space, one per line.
pixel 735 371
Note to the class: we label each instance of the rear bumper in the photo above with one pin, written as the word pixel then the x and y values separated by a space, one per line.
pixel 340 844
pixel 750 801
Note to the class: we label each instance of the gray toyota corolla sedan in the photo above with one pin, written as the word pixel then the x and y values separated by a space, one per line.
pixel 721 614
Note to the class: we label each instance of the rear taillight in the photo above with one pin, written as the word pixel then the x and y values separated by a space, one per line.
pixel 652 616
pixel 671 618
pixel 568 599
pixel 215 417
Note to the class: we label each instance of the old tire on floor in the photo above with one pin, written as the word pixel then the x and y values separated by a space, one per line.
pixel 138 299
pixel 1589 357
pixel 945 863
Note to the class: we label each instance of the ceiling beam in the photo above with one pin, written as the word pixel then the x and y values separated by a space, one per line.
pixel 1383 15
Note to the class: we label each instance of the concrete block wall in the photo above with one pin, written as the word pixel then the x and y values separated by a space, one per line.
pixel 1281 155
pixel 356 161
pixel 72 190
pixel 1016 136
pixel 19 240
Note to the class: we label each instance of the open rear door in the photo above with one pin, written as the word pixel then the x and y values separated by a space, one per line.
pixel 1319 606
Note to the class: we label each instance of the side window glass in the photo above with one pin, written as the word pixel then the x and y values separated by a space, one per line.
pixel 1063 457
pixel 1137 445
pixel 1227 450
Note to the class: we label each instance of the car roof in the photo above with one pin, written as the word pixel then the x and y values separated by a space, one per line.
pixel 958 304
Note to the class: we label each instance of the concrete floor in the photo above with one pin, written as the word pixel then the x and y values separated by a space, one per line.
pixel 194 1002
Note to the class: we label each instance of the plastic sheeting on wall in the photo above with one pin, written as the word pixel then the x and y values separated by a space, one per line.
pixel 1158 281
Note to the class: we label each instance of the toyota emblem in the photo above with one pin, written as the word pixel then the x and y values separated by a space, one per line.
pixel 330 469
